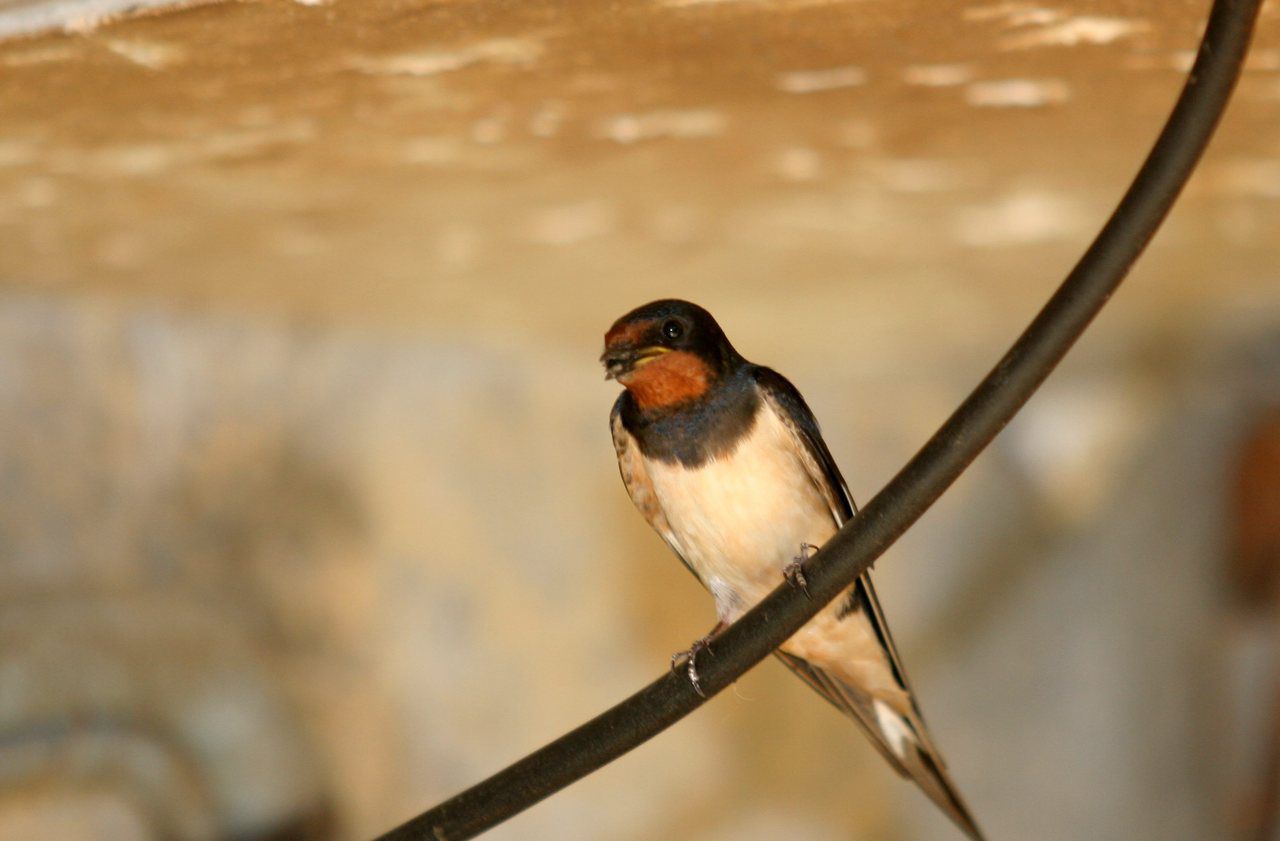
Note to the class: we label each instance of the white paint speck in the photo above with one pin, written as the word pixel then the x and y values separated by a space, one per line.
pixel 85 22
pixel 1021 218
pixel 937 75
pixel 1033 17
pixel 683 124
pixel 1017 93
pixel 149 54
pixel 815 81
pixel 1086 29
pixel 508 51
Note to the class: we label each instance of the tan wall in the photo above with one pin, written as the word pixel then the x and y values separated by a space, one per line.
pixel 308 512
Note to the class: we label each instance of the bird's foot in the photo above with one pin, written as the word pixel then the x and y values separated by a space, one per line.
pixel 690 657
pixel 794 571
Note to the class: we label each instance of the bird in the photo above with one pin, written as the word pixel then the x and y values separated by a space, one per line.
pixel 725 461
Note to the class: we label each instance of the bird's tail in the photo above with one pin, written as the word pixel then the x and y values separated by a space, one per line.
pixel 923 765
pixel 901 738
pixel 906 740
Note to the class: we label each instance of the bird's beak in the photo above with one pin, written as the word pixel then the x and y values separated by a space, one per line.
pixel 622 361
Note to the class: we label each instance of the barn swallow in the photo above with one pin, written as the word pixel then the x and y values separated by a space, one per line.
pixel 725 461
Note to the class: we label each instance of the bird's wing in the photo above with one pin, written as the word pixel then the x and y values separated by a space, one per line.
pixel 899 735
pixel 786 401
pixel 635 477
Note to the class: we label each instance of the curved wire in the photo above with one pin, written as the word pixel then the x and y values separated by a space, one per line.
pixel 956 443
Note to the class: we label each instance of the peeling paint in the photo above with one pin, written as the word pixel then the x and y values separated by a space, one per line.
pixel 1073 32
pixel 1017 93
pixel 30 17
pixel 815 81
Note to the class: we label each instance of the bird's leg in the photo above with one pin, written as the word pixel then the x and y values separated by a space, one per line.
pixel 794 571
pixel 690 656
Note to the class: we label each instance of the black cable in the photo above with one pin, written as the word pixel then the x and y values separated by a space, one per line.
pixel 847 555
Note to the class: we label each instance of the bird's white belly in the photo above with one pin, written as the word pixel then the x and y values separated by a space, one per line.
pixel 738 520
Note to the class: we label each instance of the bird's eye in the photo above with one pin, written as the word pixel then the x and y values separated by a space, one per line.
pixel 673 329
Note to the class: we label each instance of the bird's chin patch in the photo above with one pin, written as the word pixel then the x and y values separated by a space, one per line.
pixel 668 381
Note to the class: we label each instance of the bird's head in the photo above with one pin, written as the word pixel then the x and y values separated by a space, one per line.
pixel 667 353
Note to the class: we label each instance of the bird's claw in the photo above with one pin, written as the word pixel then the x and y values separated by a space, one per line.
pixel 794 571
pixel 690 657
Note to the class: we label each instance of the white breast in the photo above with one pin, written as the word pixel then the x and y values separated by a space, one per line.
pixel 738 520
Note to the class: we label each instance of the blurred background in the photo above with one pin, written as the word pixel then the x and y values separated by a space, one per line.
pixel 309 515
